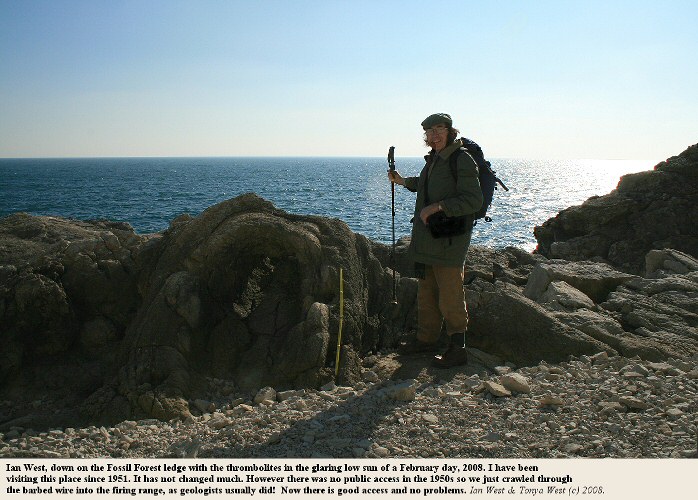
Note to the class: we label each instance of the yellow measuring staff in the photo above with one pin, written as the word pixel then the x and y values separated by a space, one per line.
pixel 341 321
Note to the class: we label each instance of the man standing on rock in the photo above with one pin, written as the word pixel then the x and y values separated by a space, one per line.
pixel 448 194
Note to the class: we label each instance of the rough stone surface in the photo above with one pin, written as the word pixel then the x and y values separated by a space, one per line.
pixel 649 210
pixel 244 292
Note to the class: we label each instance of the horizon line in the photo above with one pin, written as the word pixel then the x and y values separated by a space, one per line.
pixel 299 156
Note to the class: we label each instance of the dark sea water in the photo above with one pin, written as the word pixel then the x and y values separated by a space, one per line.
pixel 149 192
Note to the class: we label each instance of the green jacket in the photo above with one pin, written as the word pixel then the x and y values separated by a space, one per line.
pixel 461 198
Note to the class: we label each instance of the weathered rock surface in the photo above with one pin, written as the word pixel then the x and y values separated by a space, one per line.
pixel 648 210
pixel 244 292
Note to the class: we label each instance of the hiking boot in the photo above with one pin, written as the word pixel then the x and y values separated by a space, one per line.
pixel 416 346
pixel 454 356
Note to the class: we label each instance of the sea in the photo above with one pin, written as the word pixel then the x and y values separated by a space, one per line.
pixel 149 192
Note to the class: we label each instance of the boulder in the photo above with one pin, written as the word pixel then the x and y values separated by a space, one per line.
pixel 593 279
pixel 251 293
pixel 561 296
pixel 506 323
pixel 659 263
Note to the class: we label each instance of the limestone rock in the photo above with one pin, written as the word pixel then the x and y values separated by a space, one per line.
pixel 668 261
pixel 403 391
pixel 593 279
pixel 515 382
pixel 563 297
pixel 648 210
pixel 497 389
pixel 265 394
pixel 513 327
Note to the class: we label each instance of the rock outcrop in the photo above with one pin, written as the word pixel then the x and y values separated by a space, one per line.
pixel 106 324
pixel 566 308
pixel 68 292
pixel 136 324
pixel 648 210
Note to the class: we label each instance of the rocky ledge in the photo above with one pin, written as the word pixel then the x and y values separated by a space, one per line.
pixel 225 327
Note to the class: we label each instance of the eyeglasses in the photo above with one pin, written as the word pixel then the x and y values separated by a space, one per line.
pixel 436 130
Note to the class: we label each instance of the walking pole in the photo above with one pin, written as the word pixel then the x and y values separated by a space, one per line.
pixel 391 166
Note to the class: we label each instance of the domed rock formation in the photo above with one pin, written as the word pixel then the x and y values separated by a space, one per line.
pixel 244 292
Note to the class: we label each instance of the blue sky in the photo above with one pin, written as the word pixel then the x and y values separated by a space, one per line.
pixel 537 79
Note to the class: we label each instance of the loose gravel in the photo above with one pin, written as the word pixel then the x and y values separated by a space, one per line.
pixel 591 406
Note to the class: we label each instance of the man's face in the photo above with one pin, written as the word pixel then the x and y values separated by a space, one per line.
pixel 436 136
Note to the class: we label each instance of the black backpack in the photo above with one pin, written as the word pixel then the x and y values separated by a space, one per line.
pixel 488 179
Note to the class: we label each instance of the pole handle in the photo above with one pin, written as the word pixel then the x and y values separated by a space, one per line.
pixel 391 157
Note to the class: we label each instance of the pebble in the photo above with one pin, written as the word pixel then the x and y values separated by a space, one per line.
pixel 497 389
pixel 516 382
pixel 591 406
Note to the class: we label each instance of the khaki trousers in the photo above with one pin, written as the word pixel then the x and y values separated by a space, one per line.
pixel 441 297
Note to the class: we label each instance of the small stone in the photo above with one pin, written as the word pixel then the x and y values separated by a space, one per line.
pixel 432 392
pixel 472 383
pixel 381 451
pixel 370 361
pixel 328 387
pixel 550 400
pixel 404 391
pixel 243 408
pixel 608 407
pixel 660 367
pixel 573 448
pixel 370 376
pixel 600 358
pixel 492 437
pixel 633 403
pixel 430 418
pixel 496 389
pixel 674 412
pixel 665 429
pixel 502 370
pixel 636 369
pixel 235 402
pixel 515 382
pixel 285 395
pixel 265 394
pixel 218 421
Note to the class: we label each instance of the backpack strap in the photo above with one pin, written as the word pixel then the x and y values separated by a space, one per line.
pixel 453 163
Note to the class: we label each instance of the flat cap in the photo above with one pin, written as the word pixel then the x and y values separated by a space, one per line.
pixel 437 119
